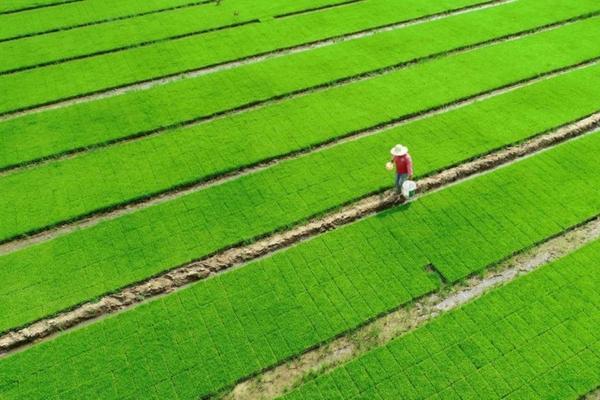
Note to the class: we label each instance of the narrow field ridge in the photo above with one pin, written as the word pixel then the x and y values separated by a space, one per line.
pixel 107 20
pixel 13 244
pixel 18 10
pixel 234 257
pixel 279 98
pixel 129 47
pixel 276 381
pixel 147 84
pixel 319 8
pixel 593 395
pixel 286 96
pixel 189 34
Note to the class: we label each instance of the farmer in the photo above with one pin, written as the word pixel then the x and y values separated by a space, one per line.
pixel 404 166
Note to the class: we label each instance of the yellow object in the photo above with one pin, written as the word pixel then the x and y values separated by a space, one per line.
pixel 389 166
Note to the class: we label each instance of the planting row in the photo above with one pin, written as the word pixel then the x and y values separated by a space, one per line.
pixel 99 180
pixel 536 338
pixel 202 339
pixel 54 82
pixel 75 13
pixel 13 6
pixel 134 113
pixel 45 278
pixel 143 30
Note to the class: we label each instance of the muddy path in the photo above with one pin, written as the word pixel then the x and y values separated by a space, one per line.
pixel 95 217
pixel 237 256
pixel 283 378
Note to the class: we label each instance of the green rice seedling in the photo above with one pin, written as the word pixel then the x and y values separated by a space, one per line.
pixel 89 41
pixel 40 279
pixel 72 14
pixel 552 357
pixel 135 113
pixel 92 182
pixel 65 80
pixel 204 338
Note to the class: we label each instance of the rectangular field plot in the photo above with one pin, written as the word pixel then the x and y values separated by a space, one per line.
pixel 64 80
pixel 206 337
pixel 195 192
pixel 293 125
pixel 139 30
pixel 139 112
pixel 130 248
pixel 536 338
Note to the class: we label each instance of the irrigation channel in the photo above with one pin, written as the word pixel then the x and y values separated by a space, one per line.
pixel 234 257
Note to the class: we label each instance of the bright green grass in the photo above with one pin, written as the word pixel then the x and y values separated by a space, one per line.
pixel 536 338
pixel 54 82
pixel 205 337
pixel 106 37
pixel 30 200
pixel 15 5
pixel 84 12
pixel 49 277
pixel 65 129
pixel 40 135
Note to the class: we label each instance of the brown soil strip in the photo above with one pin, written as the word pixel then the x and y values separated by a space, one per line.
pixel 282 378
pixel 18 10
pixel 107 20
pixel 593 395
pixel 94 217
pixel 167 129
pixel 236 256
pixel 192 73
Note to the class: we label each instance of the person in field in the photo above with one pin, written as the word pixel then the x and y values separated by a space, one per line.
pixel 403 163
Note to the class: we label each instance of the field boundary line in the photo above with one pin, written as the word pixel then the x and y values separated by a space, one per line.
pixel 106 20
pixel 388 326
pixel 162 40
pixel 316 9
pixel 30 8
pixel 128 47
pixel 94 217
pixel 592 395
pixel 234 257
pixel 255 58
pixel 255 105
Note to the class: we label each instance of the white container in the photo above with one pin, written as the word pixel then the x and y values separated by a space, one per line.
pixel 409 188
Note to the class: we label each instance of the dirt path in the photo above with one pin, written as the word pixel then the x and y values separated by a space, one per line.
pixel 279 380
pixel 263 103
pixel 235 257
pixel 75 152
pixel 593 395
pixel 10 245
pixel 150 83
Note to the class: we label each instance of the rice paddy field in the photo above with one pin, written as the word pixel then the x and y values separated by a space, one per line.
pixel 194 202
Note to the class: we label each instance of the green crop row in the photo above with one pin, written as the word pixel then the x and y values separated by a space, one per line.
pixel 536 338
pixel 204 338
pixel 60 273
pixel 8 6
pixel 100 180
pixel 54 82
pixel 74 14
pixel 43 134
pixel 115 36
